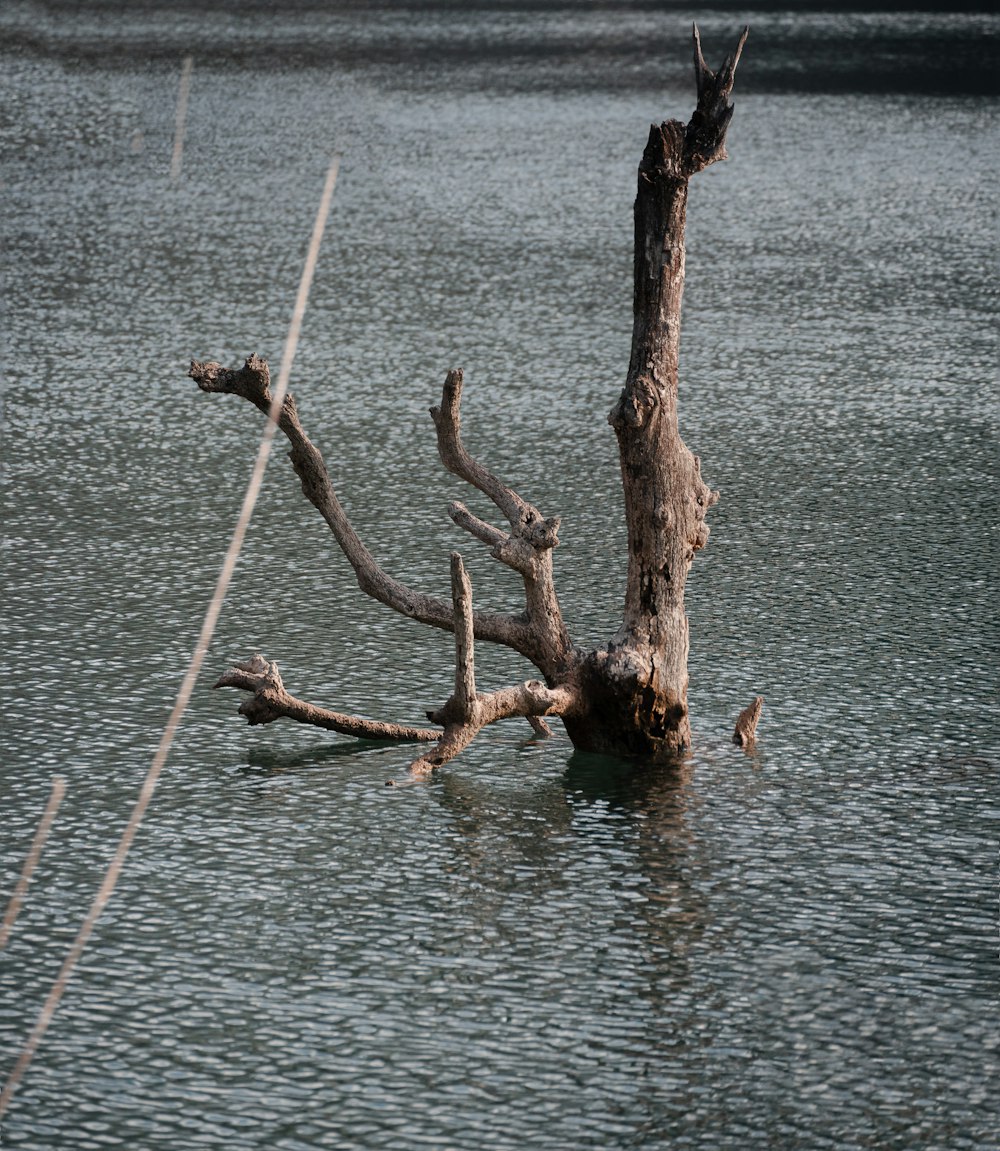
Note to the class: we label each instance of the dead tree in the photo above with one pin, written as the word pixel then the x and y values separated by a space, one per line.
pixel 628 697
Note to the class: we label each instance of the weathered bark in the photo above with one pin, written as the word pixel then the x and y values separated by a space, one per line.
pixel 466 712
pixel 527 548
pixel 642 677
pixel 270 701
pixel 745 734
pixel 630 696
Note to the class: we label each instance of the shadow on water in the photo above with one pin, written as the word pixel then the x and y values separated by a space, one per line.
pixel 271 761
pixel 671 878
pixel 632 784
pixel 264 760
pixel 623 783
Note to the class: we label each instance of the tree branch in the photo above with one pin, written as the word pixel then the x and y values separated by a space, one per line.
pixel 528 547
pixel 270 701
pixel 465 712
pixel 252 382
pixel 484 532
pixel 521 515
pixel 529 699
pixel 464 696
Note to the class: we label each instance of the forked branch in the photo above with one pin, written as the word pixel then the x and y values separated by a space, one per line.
pixel 466 713
pixel 252 382
pixel 705 137
pixel 527 548
pixel 463 715
pixel 529 700
pixel 519 513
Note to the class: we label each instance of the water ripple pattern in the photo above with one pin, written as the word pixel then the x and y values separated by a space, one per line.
pixel 536 949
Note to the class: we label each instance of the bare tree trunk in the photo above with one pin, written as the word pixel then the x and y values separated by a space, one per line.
pixel 640 682
pixel 626 698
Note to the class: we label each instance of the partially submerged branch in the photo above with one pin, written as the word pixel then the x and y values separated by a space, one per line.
pixel 270 701
pixel 745 734
pixel 461 718
pixel 466 712
pixel 538 633
pixel 531 699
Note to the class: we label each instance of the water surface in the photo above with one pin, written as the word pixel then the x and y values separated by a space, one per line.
pixel 537 949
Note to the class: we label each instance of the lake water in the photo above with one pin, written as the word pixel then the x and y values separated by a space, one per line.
pixel 537 949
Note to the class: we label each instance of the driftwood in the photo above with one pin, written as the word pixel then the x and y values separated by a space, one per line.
pixel 629 696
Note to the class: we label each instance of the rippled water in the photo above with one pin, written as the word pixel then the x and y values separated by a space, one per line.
pixel 537 949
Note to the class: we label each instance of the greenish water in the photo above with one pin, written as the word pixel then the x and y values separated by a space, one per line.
pixel 536 949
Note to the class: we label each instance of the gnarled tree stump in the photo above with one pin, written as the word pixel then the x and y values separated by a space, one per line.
pixel 629 696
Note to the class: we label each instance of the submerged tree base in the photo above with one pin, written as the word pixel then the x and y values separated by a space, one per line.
pixel 629 697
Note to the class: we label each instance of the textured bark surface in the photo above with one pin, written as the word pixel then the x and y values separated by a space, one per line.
pixel 665 496
pixel 745 734
pixel 628 697
pixel 269 701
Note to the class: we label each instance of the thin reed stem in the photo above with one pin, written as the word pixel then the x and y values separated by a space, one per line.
pixel 34 854
pixel 180 122
pixel 197 658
